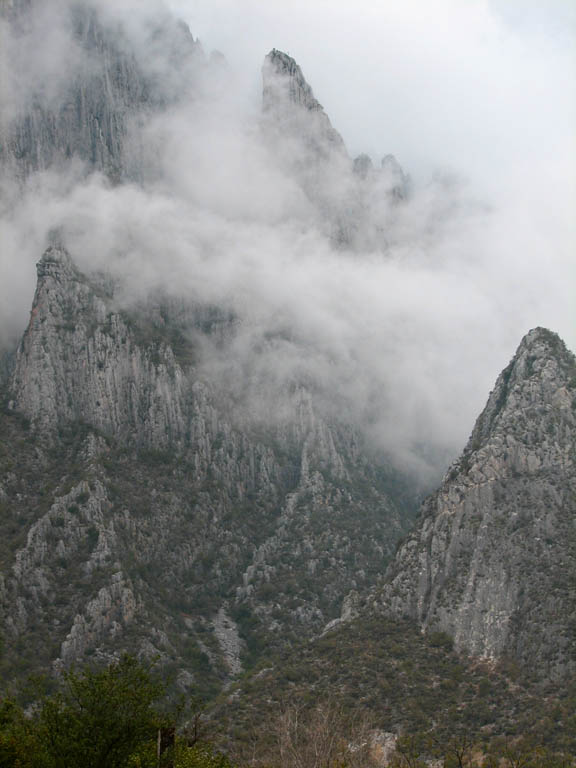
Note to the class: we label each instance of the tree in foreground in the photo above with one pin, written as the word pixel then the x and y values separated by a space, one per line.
pixel 17 741
pixel 96 720
pixel 296 737
pixel 100 717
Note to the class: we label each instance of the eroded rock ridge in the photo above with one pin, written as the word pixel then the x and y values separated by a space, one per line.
pixel 492 561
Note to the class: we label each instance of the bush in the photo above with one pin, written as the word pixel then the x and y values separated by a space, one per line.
pixel 97 720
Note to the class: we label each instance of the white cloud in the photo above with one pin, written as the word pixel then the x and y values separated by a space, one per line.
pixel 411 340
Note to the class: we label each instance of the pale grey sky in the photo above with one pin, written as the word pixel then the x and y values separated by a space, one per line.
pixel 483 88
pixel 463 83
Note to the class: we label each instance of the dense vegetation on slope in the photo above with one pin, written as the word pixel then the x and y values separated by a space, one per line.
pixel 406 682
pixel 118 717
pixel 146 516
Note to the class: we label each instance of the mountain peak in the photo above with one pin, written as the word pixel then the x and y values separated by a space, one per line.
pixel 284 81
pixel 542 343
pixel 536 377
pixel 56 254
pixel 289 100
pixel 492 558
pixel 57 263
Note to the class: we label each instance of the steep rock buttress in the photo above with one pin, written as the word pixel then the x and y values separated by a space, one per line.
pixel 492 561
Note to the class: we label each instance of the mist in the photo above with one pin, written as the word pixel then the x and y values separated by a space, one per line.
pixel 404 340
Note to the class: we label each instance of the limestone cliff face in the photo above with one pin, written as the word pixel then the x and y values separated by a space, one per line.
pixel 112 86
pixel 354 199
pixel 492 561
pixel 138 513
pixel 289 103
pixel 78 361
pixel 145 513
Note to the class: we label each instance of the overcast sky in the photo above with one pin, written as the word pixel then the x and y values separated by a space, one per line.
pixel 473 84
pixel 485 89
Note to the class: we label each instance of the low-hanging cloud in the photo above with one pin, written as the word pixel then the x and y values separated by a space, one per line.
pixel 407 339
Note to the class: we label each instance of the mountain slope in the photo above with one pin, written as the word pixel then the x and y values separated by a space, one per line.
pixel 492 561
pixel 387 673
pixel 154 509
pixel 148 515
pixel 147 505
pixel 96 91
pixel 471 636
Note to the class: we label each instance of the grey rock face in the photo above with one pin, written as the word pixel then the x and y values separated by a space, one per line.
pixel 288 100
pixel 145 517
pixel 303 142
pixel 114 85
pixel 118 388
pixel 492 561
pixel 354 200
pixel 363 166
pixel 397 182
pixel 10 8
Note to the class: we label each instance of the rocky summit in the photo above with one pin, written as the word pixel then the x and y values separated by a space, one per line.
pixel 346 193
pixel 492 560
pixel 288 98
pixel 103 93
pixel 471 635
pixel 139 514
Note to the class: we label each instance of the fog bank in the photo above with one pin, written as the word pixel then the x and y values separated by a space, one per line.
pixel 408 338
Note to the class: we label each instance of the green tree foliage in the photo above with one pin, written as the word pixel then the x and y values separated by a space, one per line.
pixel 97 720
pixel 17 742
pixel 199 756
pixel 101 718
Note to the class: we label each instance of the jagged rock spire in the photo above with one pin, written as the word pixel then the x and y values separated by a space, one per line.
pixel 363 165
pixel 523 410
pixel 398 182
pixel 352 197
pixel 104 98
pixel 288 99
pixel 283 80
pixel 493 559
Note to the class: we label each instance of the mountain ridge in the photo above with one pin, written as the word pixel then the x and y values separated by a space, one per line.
pixel 161 510
pixel 491 560
pixel 469 637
